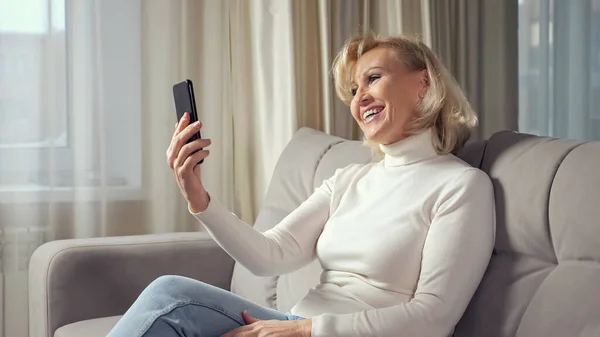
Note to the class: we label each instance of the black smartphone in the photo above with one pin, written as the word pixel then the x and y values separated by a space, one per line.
pixel 183 93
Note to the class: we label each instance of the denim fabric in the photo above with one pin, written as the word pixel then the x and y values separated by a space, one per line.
pixel 183 307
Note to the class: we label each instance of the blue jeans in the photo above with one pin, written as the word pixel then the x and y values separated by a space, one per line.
pixel 183 307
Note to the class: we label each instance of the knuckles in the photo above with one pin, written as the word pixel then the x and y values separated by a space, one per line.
pixel 178 165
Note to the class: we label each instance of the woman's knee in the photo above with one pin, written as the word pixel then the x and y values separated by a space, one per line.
pixel 168 284
pixel 179 287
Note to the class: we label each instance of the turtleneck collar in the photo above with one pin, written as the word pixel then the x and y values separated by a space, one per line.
pixel 409 150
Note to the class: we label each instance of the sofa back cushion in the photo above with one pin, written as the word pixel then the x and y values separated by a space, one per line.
pixel 544 271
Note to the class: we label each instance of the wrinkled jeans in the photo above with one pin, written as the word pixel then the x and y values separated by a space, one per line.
pixel 183 307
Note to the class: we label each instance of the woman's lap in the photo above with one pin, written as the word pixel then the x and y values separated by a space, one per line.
pixel 179 306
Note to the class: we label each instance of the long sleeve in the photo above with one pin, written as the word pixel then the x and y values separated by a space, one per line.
pixel 455 255
pixel 286 247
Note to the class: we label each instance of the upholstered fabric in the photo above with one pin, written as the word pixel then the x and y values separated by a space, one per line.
pixel 97 327
pixel 544 275
pixel 80 279
pixel 567 302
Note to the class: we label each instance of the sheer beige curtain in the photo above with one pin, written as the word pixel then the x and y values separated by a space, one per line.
pixel 281 54
pixel 184 40
pixel 391 17
pixel 94 164
pixel 478 42
pixel 92 114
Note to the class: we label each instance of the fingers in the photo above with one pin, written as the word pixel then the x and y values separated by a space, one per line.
pixel 182 137
pixel 182 123
pixel 188 149
pixel 183 132
pixel 237 332
pixel 172 150
pixel 191 161
pixel 249 319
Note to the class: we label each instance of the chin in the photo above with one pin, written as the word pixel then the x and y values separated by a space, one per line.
pixel 380 135
pixel 375 138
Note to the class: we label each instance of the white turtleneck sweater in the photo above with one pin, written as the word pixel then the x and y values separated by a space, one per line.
pixel 403 243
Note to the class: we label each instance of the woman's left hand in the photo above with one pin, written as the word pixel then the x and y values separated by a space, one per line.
pixel 272 328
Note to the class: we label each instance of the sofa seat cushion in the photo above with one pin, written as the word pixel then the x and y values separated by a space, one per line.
pixel 98 327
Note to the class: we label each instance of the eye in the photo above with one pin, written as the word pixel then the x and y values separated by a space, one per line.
pixel 353 91
pixel 373 78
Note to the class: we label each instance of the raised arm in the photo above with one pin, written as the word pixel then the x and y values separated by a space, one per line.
pixel 284 248
pixel 455 256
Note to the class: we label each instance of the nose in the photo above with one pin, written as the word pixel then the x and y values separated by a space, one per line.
pixel 364 98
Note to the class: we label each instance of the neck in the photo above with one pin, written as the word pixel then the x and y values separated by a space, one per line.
pixel 409 150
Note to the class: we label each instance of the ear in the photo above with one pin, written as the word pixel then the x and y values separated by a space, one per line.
pixel 424 76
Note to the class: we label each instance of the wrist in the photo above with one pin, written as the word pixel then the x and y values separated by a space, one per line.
pixel 305 327
pixel 194 209
pixel 200 205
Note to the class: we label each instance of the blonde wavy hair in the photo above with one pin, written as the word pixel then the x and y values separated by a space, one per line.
pixel 444 108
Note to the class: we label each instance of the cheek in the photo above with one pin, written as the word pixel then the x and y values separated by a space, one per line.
pixel 354 109
pixel 405 100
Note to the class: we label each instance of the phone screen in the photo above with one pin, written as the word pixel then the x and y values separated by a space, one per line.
pixel 183 94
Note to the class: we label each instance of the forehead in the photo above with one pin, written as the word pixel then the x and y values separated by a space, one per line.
pixel 378 57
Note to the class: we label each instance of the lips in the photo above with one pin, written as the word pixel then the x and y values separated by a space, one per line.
pixel 374 116
pixel 371 112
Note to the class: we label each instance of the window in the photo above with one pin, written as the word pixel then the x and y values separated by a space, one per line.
pixel 32 44
pixel 559 68
pixel 70 96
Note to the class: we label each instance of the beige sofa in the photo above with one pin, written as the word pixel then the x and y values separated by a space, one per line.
pixel 542 279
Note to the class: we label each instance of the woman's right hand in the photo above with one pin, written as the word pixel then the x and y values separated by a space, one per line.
pixel 184 163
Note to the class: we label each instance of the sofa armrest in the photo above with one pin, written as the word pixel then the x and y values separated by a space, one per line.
pixel 78 279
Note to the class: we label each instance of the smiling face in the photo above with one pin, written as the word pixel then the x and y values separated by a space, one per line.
pixel 386 95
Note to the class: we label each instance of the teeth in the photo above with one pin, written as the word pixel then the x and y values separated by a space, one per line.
pixel 371 112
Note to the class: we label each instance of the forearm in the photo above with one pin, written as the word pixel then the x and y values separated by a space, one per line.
pixel 405 320
pixel 434 311
pixel 284 248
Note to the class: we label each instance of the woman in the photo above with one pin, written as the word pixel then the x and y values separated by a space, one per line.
pixel 403 242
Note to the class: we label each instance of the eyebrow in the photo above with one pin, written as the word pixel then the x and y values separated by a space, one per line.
pixel 371 68
pixel 353 82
